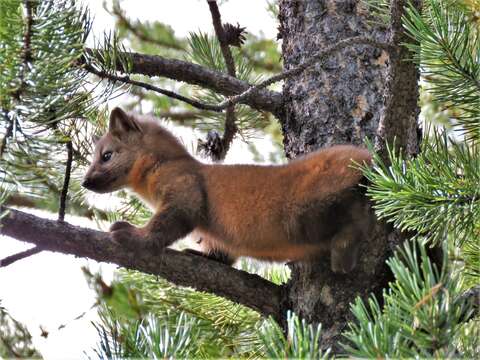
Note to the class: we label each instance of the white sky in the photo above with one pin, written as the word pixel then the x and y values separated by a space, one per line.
pixel 49 289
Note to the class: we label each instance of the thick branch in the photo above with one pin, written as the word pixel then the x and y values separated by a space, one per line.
pixel 151 65
pixel 177 267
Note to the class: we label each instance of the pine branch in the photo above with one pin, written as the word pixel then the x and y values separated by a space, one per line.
pixel 180 268
pixel 434 195
pixel 151 65
pixel 33 202
pixel 447 49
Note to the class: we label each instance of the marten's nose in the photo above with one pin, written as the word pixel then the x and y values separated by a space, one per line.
pixel 87 183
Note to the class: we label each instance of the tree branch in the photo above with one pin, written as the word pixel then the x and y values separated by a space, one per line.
pixel 230 118
pixel 152 65
pixel 220 33
pixel 66 182
pixel 126 80
pixel 19 256
pixel 180 268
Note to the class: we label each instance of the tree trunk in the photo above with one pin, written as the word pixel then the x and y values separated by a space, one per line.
pixel 338 101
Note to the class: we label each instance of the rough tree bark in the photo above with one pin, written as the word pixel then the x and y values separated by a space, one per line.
pixel 342 100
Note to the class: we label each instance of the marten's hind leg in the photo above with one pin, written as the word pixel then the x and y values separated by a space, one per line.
pixel 344 250
pixel 346 243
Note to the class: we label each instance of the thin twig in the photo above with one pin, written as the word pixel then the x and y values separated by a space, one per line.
pixel 230 130
pixel 66 182
pixel 21 255
pixel 230 118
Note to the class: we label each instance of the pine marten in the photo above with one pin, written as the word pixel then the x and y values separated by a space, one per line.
pixel 299 211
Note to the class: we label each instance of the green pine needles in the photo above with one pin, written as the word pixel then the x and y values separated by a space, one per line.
pixel 301 341
pixel 435 195
pixel 422 313
pixel 447 47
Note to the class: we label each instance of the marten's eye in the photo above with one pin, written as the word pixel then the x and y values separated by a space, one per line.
pixel 106 156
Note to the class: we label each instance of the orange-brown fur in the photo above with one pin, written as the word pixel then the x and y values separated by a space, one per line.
pixel 265 212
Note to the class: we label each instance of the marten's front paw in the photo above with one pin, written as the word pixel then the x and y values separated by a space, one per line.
pixel 118 225
pixel 126 234
pixel 132 237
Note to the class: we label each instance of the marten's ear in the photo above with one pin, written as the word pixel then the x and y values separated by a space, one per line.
pixel 95 139
pixel 122 123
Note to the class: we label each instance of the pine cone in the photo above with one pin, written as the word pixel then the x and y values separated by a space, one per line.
pixel 235 35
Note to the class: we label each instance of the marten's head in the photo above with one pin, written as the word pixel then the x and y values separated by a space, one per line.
pixel 131 143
